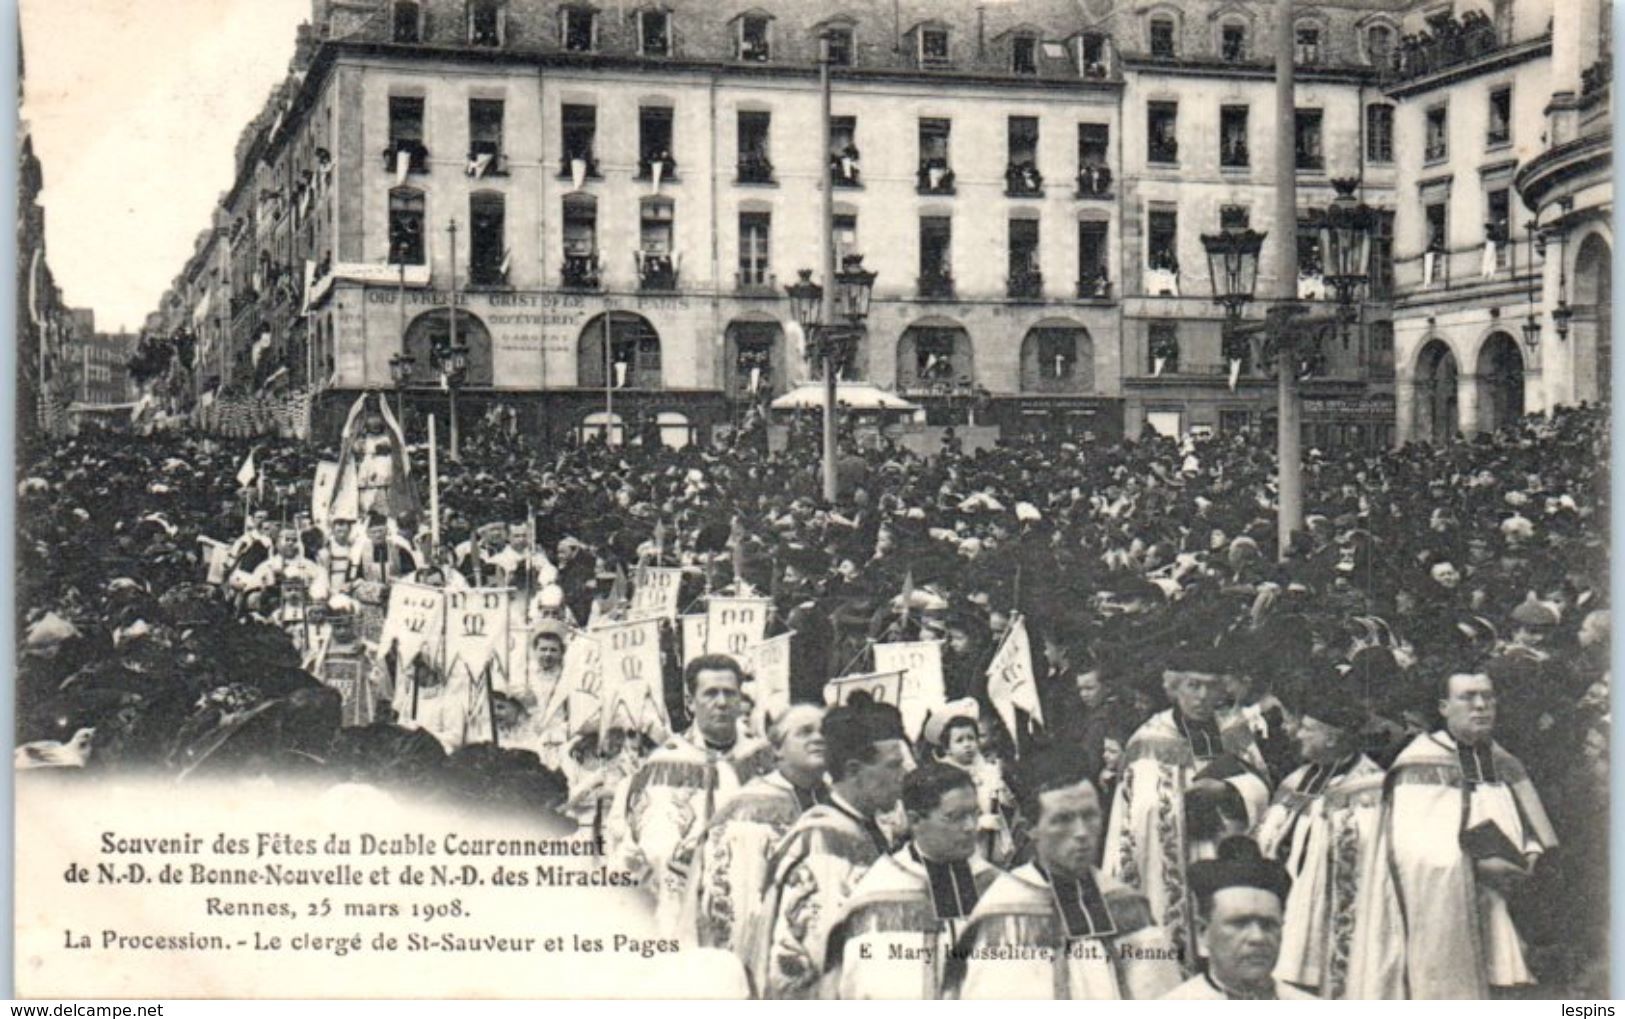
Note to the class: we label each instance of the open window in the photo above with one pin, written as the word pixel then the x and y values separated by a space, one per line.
pixel 406 213
pixel 485 156
pixel 1437 141
pixel 936 248
pixel 654 33
pixel 1233 149
pixel 1094 160
pixel 581 262
pixel 1092 55
pixel 1162 240
pixel 655 142
pixel 579 132
pixel 1379 47
pixel 844 158
pixel 1307 141
pixel 842 45
pixel 1500 120
pixel 1094 260
pixel 578 29
pixel 1024 54
pixel 406 22
pixel 406 149
pixel 487 22
pixel 656 254
pixel 1233 41
pixel 1306 45
pixel 488 260
pixel 1026 278
pixel 755 130
pixel 1162 132
pixel 936 175
pixel 846 235
pixel 754 39
pixel 1021 176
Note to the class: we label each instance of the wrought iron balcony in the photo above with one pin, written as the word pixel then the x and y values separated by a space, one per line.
pixel 936 178
pixel 656 272
pixel 589 166
pixel 1022 180
pixel 415 149
pixel 937 286
pixel 1025 285
pixel 755 168
pixel 580 272
pixel 1095 287
pixel 1095 181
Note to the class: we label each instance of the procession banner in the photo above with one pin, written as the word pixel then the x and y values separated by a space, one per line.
pixel 477 629
pixel 655 594
pixel 882 687
pixel 579 694
pixel 734 624
pixel 1010 680
pixel 768 664
pixel 694 627
pixel 217 560
pixel 322 485
pixel 632 676
pixel 920 662
pixel 414 624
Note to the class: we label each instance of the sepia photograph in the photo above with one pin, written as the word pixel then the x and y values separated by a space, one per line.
pixel 813 499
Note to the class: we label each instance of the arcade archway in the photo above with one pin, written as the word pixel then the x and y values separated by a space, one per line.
pixel 1593 319
pixel 1436 379
pixel 1500 382
pixel 633 357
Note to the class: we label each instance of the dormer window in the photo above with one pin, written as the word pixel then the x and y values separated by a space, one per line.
pixel 1162 37
pixel 1024 54
pixel 933 47
pixel 841 47
pixel 578 29
pixel 1307 45
pixel 654 33
pixel 407 24
pixel 485 23
pixel 1379 47
pixel 754 42
pixel 1233 42
pixel 1092 55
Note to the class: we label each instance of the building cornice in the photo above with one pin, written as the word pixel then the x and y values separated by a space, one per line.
pixel 1201 67
pixel 1591 155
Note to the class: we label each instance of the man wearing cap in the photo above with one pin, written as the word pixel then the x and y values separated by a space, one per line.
pixel 894 936
pixel 660 812
pixel 1320 826
pixel 1461 826
pixel 1239 903
pixel 1146 845
pixel 821 858
pixel 1057 927
pixel 731 862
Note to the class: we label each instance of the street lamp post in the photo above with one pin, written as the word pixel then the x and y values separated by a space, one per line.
pixel 832 343
pixel 1233 257
pixel 400 370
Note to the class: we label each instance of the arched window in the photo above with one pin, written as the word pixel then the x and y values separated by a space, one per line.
pixel 406 207
pixel 1057 357
pixel 675 430
pixel 602 426
pixel 428 337
pixel 633 357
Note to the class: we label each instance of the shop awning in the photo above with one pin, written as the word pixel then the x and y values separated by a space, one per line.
pixel 852 395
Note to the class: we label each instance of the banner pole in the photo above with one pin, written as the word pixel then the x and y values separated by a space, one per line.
pixel 434 491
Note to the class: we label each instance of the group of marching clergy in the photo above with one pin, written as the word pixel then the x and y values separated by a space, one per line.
pixel 835 858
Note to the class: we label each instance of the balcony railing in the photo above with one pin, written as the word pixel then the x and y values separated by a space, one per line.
pixel 1310 160
pixel 1456 41
pixel 666 164
pixel 755 169
pixel 1163 152
pixel 588 167
pixel 844 169
pixel 656 272
pixel 484 161
pixel 580 272
pixel 1095 287
pixel 757 281
pixel 936 178
pixel 1161 278
pixel 1095 181
pixel 937 286
pixel 1023 180
pixel 416 150
pixel 1027 285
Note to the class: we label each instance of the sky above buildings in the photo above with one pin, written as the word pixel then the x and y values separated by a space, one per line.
pixel 135 108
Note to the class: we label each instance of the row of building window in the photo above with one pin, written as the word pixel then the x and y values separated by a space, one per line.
pixel 408 152
pixel 579 24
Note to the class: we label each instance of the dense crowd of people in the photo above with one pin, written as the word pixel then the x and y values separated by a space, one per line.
pixel 1190 688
